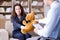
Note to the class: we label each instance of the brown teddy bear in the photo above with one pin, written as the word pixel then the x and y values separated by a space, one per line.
pixel 28 23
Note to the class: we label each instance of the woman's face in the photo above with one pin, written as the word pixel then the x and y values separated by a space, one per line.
pixel 18 10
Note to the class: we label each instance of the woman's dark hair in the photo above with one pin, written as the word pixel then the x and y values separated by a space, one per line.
pixel 14 13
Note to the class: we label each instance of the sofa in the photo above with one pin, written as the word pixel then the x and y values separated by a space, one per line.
pixel 6 34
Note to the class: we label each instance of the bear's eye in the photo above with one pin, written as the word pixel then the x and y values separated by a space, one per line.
pixel 28 21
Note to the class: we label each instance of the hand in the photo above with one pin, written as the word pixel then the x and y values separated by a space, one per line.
pixel 36 30
pixel 22 27
pixel 36 21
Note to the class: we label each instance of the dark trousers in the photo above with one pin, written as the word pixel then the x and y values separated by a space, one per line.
pixel 44 38
pixel 21 36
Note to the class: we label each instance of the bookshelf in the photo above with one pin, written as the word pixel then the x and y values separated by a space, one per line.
pixel 36 5
pixel 5 7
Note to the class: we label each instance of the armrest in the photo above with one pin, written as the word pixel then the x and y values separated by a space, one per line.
pixel 4 34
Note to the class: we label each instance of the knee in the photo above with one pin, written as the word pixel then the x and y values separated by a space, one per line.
pixel 27 35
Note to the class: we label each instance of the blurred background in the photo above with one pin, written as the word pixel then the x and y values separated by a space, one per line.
pixel 6 7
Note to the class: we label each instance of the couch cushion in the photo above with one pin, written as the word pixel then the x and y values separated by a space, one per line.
pixel 9 27
pixel 2 23
pixel 4 34
pixel 13 39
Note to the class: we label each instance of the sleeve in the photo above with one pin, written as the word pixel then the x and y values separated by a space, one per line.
pixel 15 24
pixel 51 24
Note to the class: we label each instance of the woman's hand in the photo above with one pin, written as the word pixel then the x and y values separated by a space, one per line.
pixel 23 30
pixel 22 27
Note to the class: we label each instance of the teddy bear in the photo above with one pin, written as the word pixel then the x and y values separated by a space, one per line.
pixel 30 20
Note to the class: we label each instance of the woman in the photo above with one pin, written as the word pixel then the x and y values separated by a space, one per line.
pixel 17 17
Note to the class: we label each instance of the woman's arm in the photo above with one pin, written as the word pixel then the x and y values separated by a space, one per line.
pixel 15 24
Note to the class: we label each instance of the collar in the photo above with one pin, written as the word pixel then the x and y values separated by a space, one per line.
pixel 53 3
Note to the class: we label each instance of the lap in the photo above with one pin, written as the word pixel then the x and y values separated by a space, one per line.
pixel 18 36
pixel 21 36
pixel 40 38
pixel 45 38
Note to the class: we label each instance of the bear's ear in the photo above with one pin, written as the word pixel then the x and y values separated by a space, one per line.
pixel 32 12
pixel 24 22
